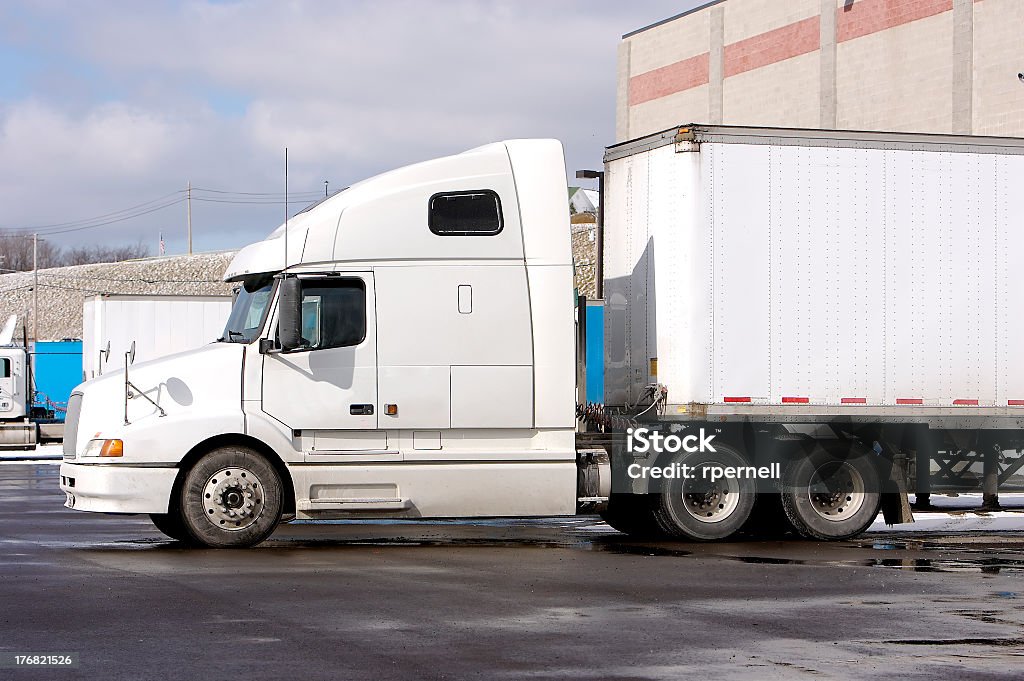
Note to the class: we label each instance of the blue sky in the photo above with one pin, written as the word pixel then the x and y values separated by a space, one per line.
pixel 107 105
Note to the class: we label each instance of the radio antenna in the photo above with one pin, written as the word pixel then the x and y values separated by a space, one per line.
pixel 286 207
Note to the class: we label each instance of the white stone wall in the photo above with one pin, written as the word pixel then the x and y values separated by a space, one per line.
pixel 781 94
pixel 903 65
pixel 897 79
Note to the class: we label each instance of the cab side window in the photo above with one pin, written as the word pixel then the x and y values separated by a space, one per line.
pixel 476 213
pixel 5 367
pixel 333 313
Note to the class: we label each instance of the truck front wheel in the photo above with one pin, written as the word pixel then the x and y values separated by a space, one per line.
pixel 231 499
pixel 829 496
pixel 706 507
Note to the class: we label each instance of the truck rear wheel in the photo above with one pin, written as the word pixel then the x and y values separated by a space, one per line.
pixel 703 509
pixel 171 525
pixel 831 496
pixel 231 499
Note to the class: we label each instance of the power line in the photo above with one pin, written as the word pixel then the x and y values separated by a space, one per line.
pixel 74 288
pixel 265 202
pixel 266 194
pixel 82 221
pixel 153 205
pixel 91 224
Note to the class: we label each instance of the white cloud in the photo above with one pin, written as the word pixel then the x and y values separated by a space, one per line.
pixel 37 141
pixel 213 92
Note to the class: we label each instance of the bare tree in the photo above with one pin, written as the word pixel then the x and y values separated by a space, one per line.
pixel 16 253
pixel 86 255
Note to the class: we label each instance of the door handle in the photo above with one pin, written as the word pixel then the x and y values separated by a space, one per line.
pixel 360 409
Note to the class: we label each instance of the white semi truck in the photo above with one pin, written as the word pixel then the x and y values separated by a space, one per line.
pixel 17 430
pixel 23 424
pixel 784 327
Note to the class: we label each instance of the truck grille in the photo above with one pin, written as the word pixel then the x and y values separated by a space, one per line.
pixel 71 425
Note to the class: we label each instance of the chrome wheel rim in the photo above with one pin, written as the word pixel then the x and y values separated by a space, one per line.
pixel 836 491
pixel 233 499
pixel 710 502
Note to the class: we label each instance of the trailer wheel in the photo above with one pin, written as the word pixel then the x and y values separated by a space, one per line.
pixel 231 499
pixel 632 514
pixel 171 525
pixel 831 496
pixel 701 509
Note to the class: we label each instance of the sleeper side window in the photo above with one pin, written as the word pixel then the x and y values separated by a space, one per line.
pixel 5 367
pixel 333 313
pixel 475 213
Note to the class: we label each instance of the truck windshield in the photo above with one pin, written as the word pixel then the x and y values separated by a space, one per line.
pixel 249 310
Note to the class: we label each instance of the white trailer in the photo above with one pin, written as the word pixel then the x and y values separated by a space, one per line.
pixel 158 325
pixel 802 284
pixel 792 272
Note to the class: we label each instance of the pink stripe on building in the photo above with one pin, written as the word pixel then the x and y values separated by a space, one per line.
pixel 682 75
pixel 854 20
pixel 773 46
pixel 864 17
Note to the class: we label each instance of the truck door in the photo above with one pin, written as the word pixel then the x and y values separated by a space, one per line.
pixel 330 384
pixel 7 388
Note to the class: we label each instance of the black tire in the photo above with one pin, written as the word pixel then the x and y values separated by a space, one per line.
pixel 231 498
pixel 701 510
pixel 171 525
pixel 632 514
pixel 831 496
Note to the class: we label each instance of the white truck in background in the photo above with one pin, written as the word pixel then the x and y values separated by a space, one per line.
pixel 24 423
pixel 157 326
pixel 17 431
pixel 405 349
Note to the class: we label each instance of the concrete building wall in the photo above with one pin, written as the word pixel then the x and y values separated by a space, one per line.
pixel 791 85
pixel 754 18
pixel 908 65
pixel 899 78
pixel 998 101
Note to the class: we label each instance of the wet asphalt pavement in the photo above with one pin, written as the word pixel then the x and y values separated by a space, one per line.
pixel 511 599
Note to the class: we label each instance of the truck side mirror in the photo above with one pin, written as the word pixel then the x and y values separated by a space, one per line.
pixel 289 326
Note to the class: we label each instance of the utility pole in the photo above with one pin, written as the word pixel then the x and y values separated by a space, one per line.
pixel 189 202
pixel 35 288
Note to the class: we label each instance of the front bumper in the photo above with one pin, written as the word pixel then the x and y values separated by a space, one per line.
pixel 117 488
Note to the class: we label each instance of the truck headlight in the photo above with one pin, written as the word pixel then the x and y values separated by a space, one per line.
pixel 104 448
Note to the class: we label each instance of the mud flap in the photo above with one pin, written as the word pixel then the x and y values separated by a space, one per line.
pixel 895 504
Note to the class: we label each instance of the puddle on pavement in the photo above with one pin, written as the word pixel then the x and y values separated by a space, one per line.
pixel 989 555
pixel 998 642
